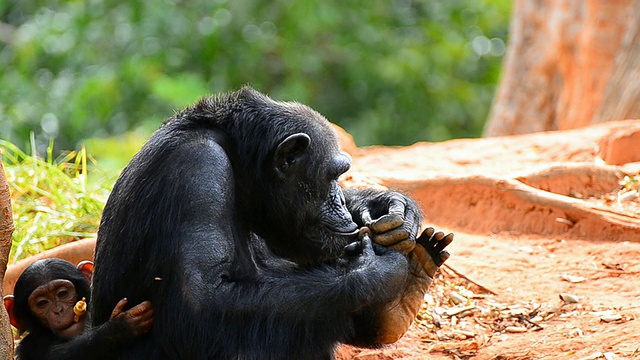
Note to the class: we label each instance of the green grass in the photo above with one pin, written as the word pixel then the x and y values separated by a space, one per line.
pixel 54 201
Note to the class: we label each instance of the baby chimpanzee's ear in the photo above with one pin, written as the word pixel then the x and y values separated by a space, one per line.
pixel 9 302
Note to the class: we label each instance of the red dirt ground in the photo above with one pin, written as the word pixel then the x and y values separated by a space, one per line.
pixel 535 216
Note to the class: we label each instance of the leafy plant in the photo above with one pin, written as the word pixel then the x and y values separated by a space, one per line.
pixel 53 200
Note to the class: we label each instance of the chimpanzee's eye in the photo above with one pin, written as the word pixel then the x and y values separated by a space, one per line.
pixel 63 294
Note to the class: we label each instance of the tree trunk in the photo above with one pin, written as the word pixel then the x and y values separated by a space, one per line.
pixel 568 64
pixel 6 229
pixel 622 97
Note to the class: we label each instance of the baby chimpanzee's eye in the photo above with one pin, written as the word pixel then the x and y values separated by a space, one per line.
pixel 41 304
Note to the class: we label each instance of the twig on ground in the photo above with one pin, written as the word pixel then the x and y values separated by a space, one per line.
pixel 469 280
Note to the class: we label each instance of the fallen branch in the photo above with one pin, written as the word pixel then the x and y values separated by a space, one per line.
pixel 470 280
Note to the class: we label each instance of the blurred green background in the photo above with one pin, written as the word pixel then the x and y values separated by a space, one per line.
pixel 389 72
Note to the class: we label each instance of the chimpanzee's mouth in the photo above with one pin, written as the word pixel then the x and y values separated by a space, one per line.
pixel 348 231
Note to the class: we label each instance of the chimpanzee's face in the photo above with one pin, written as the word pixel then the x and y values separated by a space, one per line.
pixel 333 213
pixel 311 216
pixel 52 304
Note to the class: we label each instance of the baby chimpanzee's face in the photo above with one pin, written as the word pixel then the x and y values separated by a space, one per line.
pixel 52 304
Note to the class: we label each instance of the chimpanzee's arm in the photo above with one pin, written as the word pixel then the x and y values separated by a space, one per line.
pixel 101 342
pixel 378 325
pixel 358 277
pixel 284 299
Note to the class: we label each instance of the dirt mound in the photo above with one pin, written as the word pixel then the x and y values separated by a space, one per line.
pixel 535 216
pixel 554 183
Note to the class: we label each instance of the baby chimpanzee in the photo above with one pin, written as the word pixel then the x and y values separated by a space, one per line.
pixel 50 300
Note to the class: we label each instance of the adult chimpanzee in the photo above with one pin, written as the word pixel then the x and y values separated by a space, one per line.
pixel 231 220
pixel 49 301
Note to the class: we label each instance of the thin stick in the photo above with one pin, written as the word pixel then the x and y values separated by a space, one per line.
pixel 469 280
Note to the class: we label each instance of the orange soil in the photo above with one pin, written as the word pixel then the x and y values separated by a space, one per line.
pixel 535 216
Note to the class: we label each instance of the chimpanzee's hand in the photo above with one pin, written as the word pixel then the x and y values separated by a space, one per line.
pixel 361 253
pixel 358 253
pixel 137 320
pixel 372 267
pixel 424 260
pixel 434 244
pixel 396 222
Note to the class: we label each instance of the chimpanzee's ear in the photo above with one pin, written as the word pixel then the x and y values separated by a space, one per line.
pixel 86 268
pixel 9 303
pixel 288 152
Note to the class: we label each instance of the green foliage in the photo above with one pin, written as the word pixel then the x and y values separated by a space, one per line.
pixel 53 202
pixel 116 151
pixel 390 72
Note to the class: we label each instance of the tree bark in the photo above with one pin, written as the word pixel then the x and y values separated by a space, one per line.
pixel 568 64
pixel 622 97
pixel 6 230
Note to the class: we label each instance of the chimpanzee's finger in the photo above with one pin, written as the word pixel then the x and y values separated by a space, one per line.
pixel 387 222
pixel 394 218
pixel 404 247
pixel 367 246
pixel 353 249
pixel 366 217
pixel 441 258
pixel 364 231
pixel 397 205
pixel 430 238
pixel 426 235
pixel 391 237
pixel 444 242
pixel 119 307
pixel 140 309
pixel 437 237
